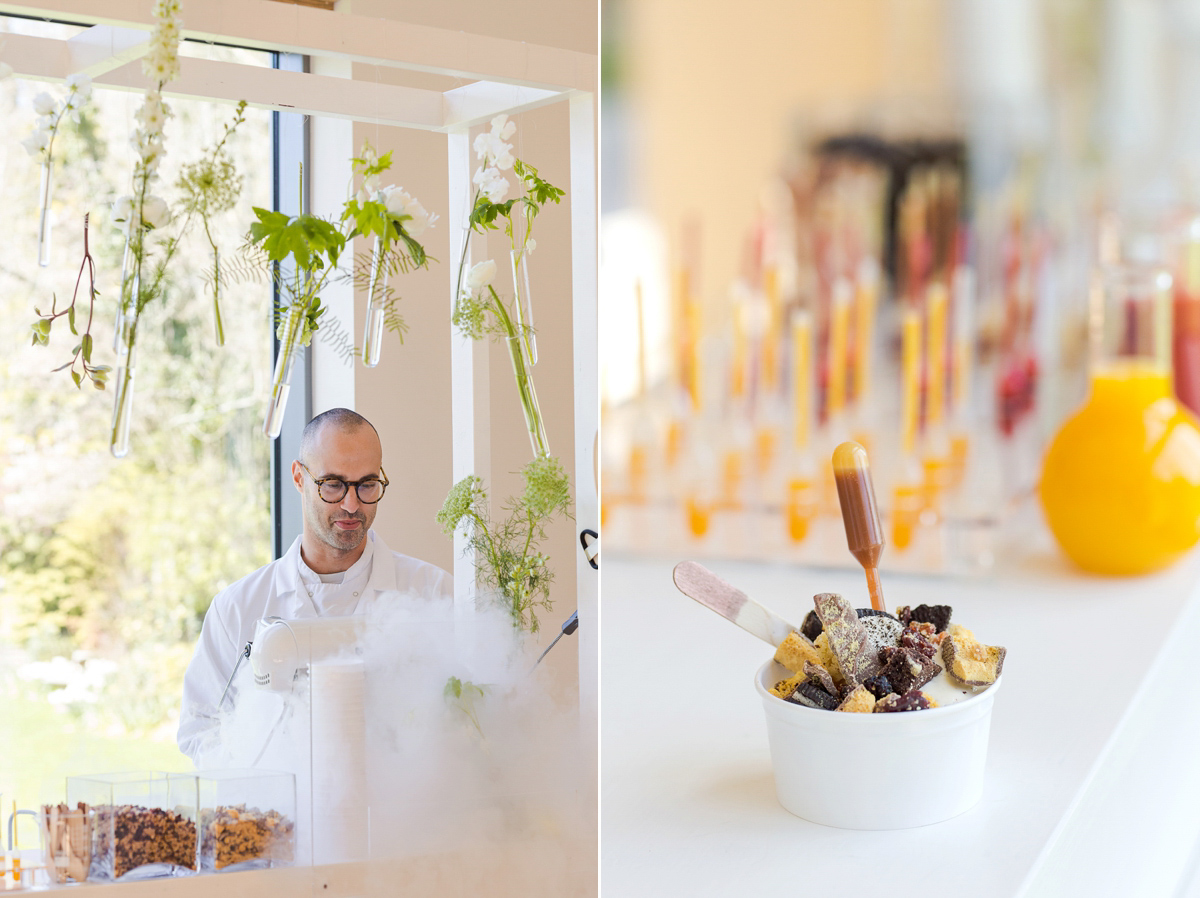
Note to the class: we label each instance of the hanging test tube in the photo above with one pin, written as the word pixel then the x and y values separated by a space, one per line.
pixel 524 303
pixel 44 221
pixel 129 289
pixel 906 492
pixel 801 505
pixel 373 326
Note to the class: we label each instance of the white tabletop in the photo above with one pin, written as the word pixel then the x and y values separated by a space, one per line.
pixel 688 804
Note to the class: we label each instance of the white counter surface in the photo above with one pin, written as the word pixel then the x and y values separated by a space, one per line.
pixel 688 803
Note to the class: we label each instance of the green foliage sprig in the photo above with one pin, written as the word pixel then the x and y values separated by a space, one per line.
pixel 315 245
pixel 97 374
pixel 507 552
pixel 211 186
pixel 462 695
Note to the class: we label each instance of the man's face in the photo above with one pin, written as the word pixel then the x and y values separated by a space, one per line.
pixel 348 455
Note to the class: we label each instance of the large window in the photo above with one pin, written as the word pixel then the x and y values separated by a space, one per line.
pixel 107 566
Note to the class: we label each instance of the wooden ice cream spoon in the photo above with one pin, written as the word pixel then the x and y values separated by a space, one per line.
pixel 699 583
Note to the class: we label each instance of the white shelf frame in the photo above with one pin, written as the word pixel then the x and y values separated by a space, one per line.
pixel 503 76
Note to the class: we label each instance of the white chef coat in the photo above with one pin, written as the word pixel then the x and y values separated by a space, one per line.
pixel 290 589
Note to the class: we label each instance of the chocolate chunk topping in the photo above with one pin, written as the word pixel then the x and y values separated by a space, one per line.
pixel 878 685
pixel 848 640
pixel 871 612
pixel 938 615
pixel 907 669
pixel 819 674
pixel 913 700
pixel 811 626
pixel 811 693
pixel 918 642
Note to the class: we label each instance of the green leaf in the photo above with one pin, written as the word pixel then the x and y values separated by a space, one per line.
pixel 86 346
pixel 453 688
pixel 77 377
pixel 71 319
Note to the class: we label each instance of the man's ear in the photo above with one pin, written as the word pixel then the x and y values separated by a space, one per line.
pixel 298 476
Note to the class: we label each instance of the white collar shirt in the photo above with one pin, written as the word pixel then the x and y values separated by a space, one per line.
pixel 289 589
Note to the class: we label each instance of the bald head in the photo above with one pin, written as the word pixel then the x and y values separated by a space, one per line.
pixel 341 419
pixel 336 445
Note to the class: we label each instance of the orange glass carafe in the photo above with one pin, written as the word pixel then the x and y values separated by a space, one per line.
pixel 1120 482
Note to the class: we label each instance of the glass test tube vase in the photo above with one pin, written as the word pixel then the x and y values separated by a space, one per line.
pixel 122 416
pixel 376 294
pixel 529 401
pixel 285 361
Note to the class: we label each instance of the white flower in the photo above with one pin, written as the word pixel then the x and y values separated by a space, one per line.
pixel 491 183
pixel 496 188
pixel 530 245
pixel 151 116
pixel 5 70
pixel 503 128
pixel 44 123
pixel 493 152
pixel 480 276
pixel 44 104
pixel 155 213
pixel 396 199
pixel 80 85
pixel 36 142
pixel 123 208
pixel 421 219
pixel 399 203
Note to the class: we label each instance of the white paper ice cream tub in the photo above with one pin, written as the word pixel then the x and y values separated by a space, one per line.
pixel 876 771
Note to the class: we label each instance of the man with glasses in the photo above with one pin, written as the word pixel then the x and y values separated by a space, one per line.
pixel 335 567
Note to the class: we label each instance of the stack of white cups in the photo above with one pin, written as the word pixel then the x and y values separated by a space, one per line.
pixel 339 763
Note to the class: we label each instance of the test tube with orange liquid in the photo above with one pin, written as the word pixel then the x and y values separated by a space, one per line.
pixel 906 492
pixel 801 506
pixel 935 455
